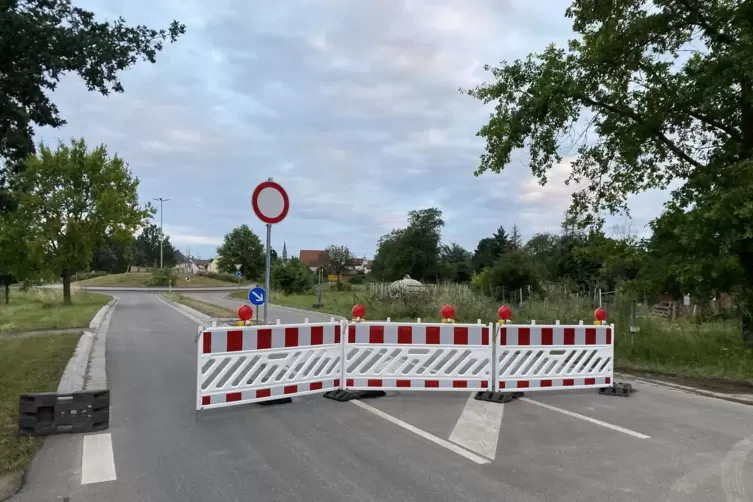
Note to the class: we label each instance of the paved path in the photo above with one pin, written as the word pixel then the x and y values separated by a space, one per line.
pixel 658 445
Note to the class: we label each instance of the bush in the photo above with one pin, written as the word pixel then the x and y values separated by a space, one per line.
pixel 82 276
pixel 220 276
pixel 163 277
pixel 357 279
pixel 291 277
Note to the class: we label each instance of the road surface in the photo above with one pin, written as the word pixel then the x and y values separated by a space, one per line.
pixel 658 445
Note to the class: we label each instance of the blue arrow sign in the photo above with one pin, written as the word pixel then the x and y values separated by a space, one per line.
pixel 239 274
pixel 257 296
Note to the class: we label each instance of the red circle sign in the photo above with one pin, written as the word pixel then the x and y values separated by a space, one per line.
pixel 270 202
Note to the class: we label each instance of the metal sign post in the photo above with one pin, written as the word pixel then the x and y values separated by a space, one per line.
pixel 271 204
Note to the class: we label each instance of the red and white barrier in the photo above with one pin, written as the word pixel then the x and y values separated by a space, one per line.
pixel 427 356
pixel 538 357
pixel 238 365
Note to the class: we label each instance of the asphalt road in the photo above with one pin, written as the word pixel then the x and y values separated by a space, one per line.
pixel 658 445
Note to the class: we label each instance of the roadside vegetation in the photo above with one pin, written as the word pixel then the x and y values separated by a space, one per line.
pixel 32 364
pixel 145 279
pixel 44 309
pixel 209 309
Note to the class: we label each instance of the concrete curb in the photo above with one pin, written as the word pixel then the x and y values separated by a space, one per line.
pixel 96 371
pixel 193 314
pixel 735 398
pixel 74 379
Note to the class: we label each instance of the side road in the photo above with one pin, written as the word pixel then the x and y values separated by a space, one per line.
pixel 85 370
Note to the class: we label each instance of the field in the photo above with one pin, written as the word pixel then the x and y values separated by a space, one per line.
pixel 32 364
pixel 712 352
pixel 43 309
pixel 141 280
pixel 205 308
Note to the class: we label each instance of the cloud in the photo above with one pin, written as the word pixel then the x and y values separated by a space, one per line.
pixel 352 106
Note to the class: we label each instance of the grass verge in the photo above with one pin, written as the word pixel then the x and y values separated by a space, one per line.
pixel 43 309
pixel 141 280
pixel 32 364
pixel 710 352
pixel 203 307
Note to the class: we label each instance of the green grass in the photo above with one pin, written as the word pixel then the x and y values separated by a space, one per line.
pixel 683 348
pixel 32 364
pixel 203 307
pixel 43 309
pixel 141 280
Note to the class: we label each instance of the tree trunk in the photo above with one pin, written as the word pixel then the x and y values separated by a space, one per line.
pixel 66 287
pixel 7 294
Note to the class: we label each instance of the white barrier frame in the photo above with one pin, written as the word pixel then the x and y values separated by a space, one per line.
pixel 401 357
pixel 596 360
pixel 278 370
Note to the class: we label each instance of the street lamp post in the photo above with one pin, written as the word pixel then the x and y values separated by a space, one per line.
pixel 161 234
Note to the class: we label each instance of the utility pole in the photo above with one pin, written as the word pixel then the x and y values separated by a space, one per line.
pixel 161 234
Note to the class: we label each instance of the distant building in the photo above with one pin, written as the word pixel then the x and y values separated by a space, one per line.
pixel 284 252
pixel 313 259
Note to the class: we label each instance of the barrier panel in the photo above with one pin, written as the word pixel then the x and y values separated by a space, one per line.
pixel 238 365
pixel 419 356
pixel 545 357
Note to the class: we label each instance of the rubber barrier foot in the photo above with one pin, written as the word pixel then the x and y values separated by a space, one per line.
pixel 497 397
pixel 617 389
pixel 282 400
pixel 343 395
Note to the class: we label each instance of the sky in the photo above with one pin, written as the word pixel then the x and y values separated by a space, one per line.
pixel 351 105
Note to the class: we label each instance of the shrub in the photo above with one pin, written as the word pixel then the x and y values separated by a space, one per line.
pixel 220 276
pixel 291 277
pixel 163 277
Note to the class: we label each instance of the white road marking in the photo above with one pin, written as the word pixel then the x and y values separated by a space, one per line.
pixel 426 435
pixel 587 419
pixel 97 461
pixel 478 427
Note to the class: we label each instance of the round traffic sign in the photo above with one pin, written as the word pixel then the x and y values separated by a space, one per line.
pixel 270 202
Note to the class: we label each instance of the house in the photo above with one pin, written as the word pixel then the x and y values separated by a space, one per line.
pixel 184 266
pixel 213 265
pixel 362 265
pixel 313 259
pixel 201 265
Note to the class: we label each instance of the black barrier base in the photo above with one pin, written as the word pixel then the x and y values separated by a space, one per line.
pixel 497 397
pixel 617 389
pixel 282 400
pixel 343 395
pixel 48 413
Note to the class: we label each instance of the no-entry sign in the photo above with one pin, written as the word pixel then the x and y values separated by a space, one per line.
pixel 270 202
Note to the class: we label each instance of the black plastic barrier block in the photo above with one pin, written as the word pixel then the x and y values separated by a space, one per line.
pixel 282 400
pixel 47 413
pixel 617 389
pixel 497 397
pixel 343 395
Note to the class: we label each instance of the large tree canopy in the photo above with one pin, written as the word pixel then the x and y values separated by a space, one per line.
pixel 650 93
pixel 69 201
pixel 40 40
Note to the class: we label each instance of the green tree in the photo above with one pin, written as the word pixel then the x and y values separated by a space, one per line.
pixel 70 201
pixel 291 277
pixel 147 248
pixel 489 249
pixel 455 263
pixel 339 261
pixel 242 246
pixel 113 257
pixel 667 88
pixel 513 271
pixel 413 250
pixel 40 41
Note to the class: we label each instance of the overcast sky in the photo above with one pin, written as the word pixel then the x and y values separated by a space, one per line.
pixel 352 105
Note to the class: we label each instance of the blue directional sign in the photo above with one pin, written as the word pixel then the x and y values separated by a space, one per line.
pixel 239 274
pixel 257 296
